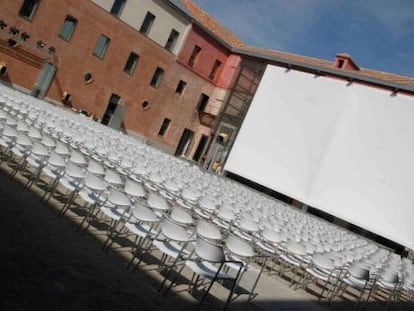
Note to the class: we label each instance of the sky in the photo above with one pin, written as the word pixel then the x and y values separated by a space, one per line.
pixel 378 34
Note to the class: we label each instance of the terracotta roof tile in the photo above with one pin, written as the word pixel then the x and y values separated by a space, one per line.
pixel 369 73
pixel 212 25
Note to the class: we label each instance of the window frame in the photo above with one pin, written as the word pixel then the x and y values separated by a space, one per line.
pixel 33 9
pixel 180 87
pixel 165 126
pixel 131 70
pixel 194 56
pixel 202 103
pixel 104 49
pixel 119 10
pixel 147 23
pixel 215 69
pixel 172 40
pixel 157 77
pixel 72 29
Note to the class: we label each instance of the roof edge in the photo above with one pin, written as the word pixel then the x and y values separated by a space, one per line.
pixel 350 75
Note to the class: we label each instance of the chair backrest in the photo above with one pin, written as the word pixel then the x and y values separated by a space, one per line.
pixel 181 216
pixel 48 142
pixel 226 214
pixel 112 177
pixel 56 160
pixel 271 236
pixel 322 261
pixel 248 225
pixel 23 140
pixel 118 198
pixel 34 133
pixel 207 230
pixel 133 188
pixel 359 272
pixel 144 214
pixel 94 182
pixel 174 231
pixel 390 277
pixel 209 251
pixel 77 158
pixel 39 150
pixel 157 202
pixel 295 248
pixel 95 168
pixel 239 247
pixel 62 149
pixel 73 170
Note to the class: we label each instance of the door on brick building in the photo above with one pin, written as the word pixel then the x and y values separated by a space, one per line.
pixel 44 80
pixel 112 113
pixel 184 144
pixel 200 148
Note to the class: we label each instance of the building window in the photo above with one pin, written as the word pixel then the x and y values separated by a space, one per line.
pixel 164 127
pixel 131 63
pixel 202 102
pixel 101 46
pixel 180 87
pixel 28 8
pixel 194 55
pixel 157 77
pixel 215 69
pixel 88 77
pixel 147 23
pixel 68 26
pixel 117 7
pixel 145 105
pixel 172 40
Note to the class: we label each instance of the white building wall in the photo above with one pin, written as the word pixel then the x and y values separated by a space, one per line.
pixel 166 19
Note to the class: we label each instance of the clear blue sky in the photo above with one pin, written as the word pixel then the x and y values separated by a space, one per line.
pixel 378 34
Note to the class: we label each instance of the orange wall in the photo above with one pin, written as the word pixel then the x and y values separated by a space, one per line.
pixel 210 51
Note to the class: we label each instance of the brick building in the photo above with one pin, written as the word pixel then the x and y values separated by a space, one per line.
pixel 141 65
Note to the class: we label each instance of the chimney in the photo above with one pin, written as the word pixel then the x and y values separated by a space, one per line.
pixel 344 61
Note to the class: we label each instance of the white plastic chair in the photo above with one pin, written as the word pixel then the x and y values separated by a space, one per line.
pixel 144 224
pixel 116 208
pixel 293 258
pixel 357 277
pixel 93 195
pixel 207 262
pixel 321 268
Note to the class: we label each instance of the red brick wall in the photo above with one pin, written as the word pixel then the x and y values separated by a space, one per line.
pixel 75 58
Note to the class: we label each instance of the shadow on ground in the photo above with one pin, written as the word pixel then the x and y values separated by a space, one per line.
pixel 46 265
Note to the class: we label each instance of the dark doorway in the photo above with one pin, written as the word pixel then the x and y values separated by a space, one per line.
pixel 184 143
pixel 110 109
pixel 200 148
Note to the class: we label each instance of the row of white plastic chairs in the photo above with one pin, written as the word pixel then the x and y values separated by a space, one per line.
pixel 279 211
pixel 51 125
pixel 156 169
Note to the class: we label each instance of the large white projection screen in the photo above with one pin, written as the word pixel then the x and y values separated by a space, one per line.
pixel 340 147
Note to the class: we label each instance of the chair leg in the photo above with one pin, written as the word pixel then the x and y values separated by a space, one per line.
pixel 211 285
pixel 168 274
pixel 251 293
pixel 232 289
